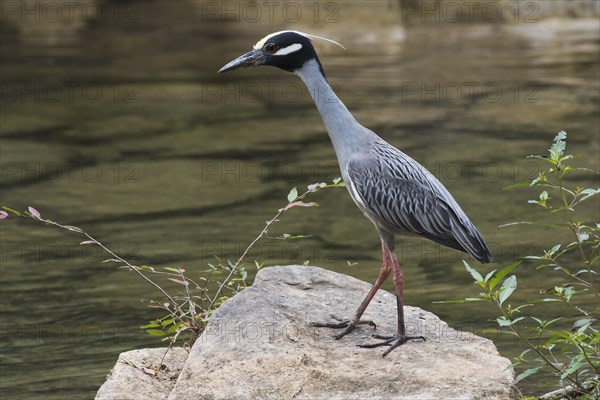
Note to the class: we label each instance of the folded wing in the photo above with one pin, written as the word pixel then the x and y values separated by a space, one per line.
pixel 402 202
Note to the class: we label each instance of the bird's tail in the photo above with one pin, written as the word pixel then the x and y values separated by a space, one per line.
pixel 471 242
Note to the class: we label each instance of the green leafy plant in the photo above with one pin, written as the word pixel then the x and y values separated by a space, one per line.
pixel 187 310
pixel 573 354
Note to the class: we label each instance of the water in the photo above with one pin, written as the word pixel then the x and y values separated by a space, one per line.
pixel 119 124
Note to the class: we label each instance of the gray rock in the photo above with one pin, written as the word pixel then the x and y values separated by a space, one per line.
pixel 259 345
pixel 132 377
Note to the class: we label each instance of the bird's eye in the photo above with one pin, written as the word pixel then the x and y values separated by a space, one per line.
pixel 271 48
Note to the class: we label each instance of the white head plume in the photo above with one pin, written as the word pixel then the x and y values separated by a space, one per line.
pixel 262 41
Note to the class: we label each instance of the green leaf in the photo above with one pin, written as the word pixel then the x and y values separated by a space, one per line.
pixel 560 334
pixel 574 365
pixel 522 306
pixel 582 323
pixel 541 178
pixel 582 236
pixel 156 332
pixel 587 193
pixel 494 331
pixel 293 195
pixel 17 213
pixel 502 273
pixel 287 236
pixel 476 275
pixel 559 146
pixel 508 287
pixel 554 250
pixel 466 300
pixel 542 201
pixel 526 373
pixel 515 185
pixel 539 321
pixel 523 354
pixel 489 275
pixel 503 321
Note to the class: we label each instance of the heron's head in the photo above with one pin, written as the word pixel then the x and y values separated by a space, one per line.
pixel 288 50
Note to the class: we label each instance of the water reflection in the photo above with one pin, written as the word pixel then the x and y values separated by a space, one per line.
pixel 120 125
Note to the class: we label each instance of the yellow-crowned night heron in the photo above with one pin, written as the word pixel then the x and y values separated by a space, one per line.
pixel 396 193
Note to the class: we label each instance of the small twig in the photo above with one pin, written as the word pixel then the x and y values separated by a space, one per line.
pixel 566 391
pixel 35 216
pixel 187 291
pixel 133 268
pixel 294 200
pixel 160 364
pixel 239 261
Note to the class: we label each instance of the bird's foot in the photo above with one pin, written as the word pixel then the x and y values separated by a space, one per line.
pixel 348 325
pixel 392 341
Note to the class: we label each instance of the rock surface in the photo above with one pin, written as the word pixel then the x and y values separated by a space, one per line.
pixel 132 377
pixel 259 345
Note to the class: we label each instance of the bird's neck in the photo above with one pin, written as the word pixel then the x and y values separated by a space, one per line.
pixel 346 134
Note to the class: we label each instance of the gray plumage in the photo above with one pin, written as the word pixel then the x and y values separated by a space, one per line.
pixel 394 191
pixel 400 196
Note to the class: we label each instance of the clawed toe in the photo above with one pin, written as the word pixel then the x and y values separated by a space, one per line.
pixel 392 341
pixel 347 324
pixel 332 325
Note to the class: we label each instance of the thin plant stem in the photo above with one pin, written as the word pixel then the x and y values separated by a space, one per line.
pixel 526 341
pixel 243 256
pixel 262 233
pixel 114 255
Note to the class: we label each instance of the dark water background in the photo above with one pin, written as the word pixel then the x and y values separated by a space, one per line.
pixel 117 122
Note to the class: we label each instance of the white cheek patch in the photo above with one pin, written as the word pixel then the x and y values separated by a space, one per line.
pixel 287 50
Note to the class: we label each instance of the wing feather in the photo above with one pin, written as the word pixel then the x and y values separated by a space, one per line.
pixel 403 201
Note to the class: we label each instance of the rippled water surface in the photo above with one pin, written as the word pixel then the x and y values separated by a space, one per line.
pixel 122 127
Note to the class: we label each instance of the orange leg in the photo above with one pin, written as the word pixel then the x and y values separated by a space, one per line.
pixel 400 337
pixel 350 325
